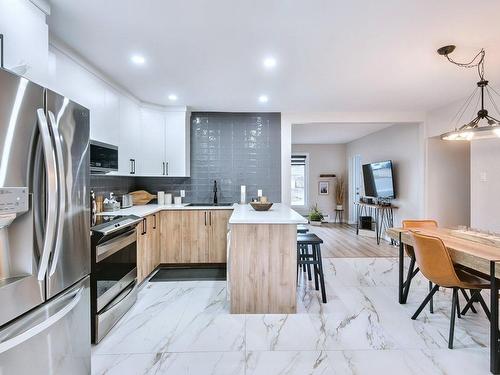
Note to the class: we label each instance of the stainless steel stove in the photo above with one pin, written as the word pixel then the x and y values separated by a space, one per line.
pixel 113 272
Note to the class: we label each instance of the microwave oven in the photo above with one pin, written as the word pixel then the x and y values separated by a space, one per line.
pixel 103 157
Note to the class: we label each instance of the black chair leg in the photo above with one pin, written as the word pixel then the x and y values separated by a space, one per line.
pixel 452 317
pixel 431 303
pixel 469 302
pixel 483 305
pixel 426 300
pixel 459 316
pixel 321 275
pixel 408 279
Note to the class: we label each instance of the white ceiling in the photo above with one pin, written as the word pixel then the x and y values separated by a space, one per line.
pixel 333 55
pixel 333 133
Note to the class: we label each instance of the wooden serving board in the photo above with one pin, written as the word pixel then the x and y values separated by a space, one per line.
pixel 141 197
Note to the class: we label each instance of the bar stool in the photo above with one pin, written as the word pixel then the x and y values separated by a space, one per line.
pixel 302 229
pixel 305 258
pixel 436 265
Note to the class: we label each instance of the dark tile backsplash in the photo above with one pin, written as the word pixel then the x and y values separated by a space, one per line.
pixel 233 148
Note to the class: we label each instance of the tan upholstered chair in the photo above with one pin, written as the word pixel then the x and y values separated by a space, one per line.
pixel 435 263
pixel 412 272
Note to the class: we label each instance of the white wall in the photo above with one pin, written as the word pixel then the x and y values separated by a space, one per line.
pixel 447 182
pixel 290 118
pixel 327 158
pixel 26 38
pixel 401 144
pixel 485 184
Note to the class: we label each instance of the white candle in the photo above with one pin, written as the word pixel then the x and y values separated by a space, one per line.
pixel 243 194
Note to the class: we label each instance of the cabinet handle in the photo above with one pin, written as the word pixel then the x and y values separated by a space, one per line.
pixel 166 168
pixel 154 223
pixel 163 168
pixel 144 230
pixel 205 218
pixel 132 166
pixel 210 213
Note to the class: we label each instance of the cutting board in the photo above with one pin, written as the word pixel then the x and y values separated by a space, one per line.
pixel 141 197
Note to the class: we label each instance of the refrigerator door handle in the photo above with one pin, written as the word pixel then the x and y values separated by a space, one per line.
pixel 62 193
pixel 52 187
pixel 11 342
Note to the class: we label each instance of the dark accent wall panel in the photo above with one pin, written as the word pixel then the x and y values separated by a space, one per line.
pixel 233 148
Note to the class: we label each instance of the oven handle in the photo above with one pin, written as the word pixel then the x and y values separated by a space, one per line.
pixel 115 244
pixel 118 300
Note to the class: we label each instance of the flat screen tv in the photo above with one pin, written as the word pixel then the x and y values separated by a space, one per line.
pixel 378 180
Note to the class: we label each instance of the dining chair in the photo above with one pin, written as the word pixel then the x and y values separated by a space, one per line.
pixel 412 271
pixel 436 264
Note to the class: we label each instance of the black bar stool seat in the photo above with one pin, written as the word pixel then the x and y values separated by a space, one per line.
pixel 308 239
pixel 302 229
pixel 306 259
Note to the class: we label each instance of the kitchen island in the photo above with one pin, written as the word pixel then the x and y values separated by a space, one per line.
pixel 262 264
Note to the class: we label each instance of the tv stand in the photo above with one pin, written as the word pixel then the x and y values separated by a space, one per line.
pixel 382 214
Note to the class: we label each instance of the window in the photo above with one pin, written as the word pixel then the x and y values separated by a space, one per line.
pixel 299 180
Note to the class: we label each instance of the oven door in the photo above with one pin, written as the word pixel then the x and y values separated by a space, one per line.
pixel 116 266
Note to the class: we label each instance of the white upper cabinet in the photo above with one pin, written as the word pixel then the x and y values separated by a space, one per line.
pixel 164 143
pixel 152 152
pixel 26 39
pixel 129 161
pixel 177 143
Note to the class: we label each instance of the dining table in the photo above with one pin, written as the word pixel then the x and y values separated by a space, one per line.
pixel 477 255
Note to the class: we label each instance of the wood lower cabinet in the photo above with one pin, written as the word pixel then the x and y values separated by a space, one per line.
pixel 171 236
pixel 148 246
pixel 217 245
pixel 194 236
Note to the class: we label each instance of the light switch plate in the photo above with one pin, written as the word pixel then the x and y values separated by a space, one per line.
pixel 183 193
pixel 483 177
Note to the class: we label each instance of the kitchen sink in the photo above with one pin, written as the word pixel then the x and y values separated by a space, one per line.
pixel 211 204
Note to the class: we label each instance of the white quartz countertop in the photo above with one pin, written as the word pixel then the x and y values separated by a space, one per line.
pixel 149 209
pixel 278 214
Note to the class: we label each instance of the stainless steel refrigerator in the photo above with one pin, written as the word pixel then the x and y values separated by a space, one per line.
pixel 44 231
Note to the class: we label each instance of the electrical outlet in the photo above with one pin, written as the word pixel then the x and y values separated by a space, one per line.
pixel 483 177
pixel 183 193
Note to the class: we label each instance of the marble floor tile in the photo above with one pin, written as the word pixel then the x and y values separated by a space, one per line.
pixel 270 332
pixel 186 328
pixel 227 363
pixel 287 362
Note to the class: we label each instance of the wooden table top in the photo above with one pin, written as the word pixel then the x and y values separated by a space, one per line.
pixel 469 253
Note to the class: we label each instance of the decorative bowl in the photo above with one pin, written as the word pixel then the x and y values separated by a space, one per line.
pixel 257 206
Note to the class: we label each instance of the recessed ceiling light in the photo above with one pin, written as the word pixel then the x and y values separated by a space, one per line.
pixel 269 62
pixel 172 97
pixel 138 59
pixel 263 99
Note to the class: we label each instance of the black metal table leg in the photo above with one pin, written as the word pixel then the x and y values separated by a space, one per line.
pixel 494 345
pixel 401 269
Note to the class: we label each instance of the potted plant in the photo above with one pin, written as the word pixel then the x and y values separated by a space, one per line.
pixel 315 215
pixel 340 192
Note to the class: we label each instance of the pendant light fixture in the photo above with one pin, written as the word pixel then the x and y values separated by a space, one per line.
pixel 483 125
